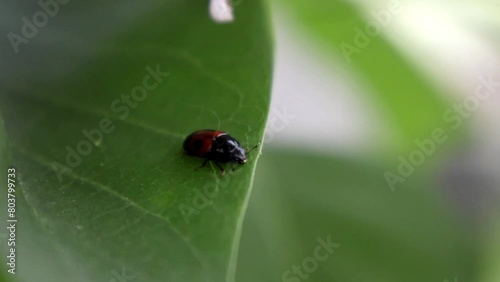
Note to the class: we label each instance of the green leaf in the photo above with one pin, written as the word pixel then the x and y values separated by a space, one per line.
pixel 118 201
pixel 384 237
pixel 412 105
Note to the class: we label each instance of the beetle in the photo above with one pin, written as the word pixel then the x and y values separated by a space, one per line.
pixel 217 146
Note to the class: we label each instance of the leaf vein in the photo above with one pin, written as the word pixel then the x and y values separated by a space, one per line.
pixel 44 162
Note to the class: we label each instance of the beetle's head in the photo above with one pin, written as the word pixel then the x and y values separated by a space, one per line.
pixel 238 156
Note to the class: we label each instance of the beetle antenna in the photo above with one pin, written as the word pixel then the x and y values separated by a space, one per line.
pixel 254 147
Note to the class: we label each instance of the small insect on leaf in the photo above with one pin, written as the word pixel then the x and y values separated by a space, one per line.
pixel 216 146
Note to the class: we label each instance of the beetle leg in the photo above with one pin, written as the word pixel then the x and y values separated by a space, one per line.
pixel 202 165
pixel 222 171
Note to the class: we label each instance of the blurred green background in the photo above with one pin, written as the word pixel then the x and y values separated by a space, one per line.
pixel 363 84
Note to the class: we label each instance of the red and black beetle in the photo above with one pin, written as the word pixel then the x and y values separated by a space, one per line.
pixel 215 145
